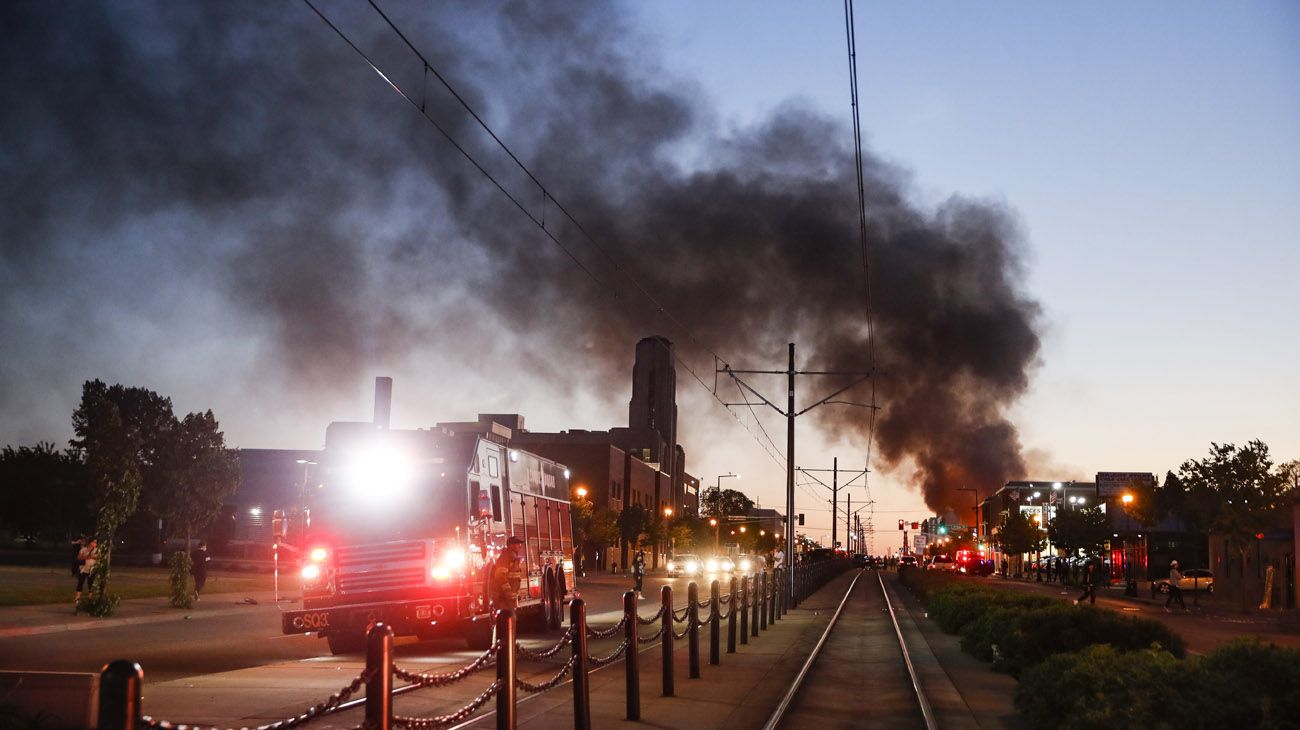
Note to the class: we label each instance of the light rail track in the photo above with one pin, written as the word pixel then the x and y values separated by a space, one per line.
pixel 860 673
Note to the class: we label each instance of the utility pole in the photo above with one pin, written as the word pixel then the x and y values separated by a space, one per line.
pixel 834 486
pixel 790 414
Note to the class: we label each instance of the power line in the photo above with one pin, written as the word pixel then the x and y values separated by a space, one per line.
pixel 536 220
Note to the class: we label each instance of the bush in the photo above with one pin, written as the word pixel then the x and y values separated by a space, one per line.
pixel 1242 684
pixel 179 579
pixel 1042 632
pixel 956 606
pixel 1101 687
pixel 1246 683
pixel 996 626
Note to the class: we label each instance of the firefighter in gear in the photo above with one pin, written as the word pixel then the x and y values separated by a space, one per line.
pixel 507 575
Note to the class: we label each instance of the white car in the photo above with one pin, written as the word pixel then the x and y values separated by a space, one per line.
pixel 718 564
pixel 747 564
pixel 1194 579
pixel 685 565
pixel 907 560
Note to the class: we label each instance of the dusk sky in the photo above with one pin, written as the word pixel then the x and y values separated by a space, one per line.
pixel 1084 225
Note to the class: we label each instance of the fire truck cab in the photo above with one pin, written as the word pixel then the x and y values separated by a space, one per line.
pixel 406 524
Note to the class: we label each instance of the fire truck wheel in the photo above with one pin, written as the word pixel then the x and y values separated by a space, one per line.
pixel 557 601
pixel 548 601
pixel 348 643
pixel 478 633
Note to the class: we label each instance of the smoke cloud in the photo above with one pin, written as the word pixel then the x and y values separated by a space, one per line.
pixel 235 166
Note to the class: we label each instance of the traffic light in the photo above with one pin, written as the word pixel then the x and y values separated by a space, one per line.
pixel 801 519
pixel 900 525
pixel 943 529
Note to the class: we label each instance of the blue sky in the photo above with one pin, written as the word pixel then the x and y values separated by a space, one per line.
pixel 1151 153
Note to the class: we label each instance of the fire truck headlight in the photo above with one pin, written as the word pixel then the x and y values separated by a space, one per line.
pixel 440 572
pixel 319 554
pixel 380 467
pixel 310 572
pixel 454 558
pixel 568 566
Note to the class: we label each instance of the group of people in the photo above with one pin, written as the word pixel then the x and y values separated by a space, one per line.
pixel 86 553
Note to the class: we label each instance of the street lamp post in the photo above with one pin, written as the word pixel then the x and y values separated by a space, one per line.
pixel 1130 580
pixel 713 522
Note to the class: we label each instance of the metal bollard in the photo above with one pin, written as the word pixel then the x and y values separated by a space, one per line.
pixel 581 683
pixel 120 683
pixel 734 602
pixel 666 626
pixel 693 629
pixel 714 604
pixel 631 669
pixel 506 696
pixel 753 621
pixel 762 601
pixel 744 609
pixel 771 598
pixel 379 687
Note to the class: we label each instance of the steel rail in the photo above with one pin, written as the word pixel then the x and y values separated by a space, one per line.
pixel 779 712
pixel 926 711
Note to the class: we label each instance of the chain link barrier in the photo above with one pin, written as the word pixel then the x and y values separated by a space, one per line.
pixel 651 638
pixel 606 633
pixel 535 655
pixel 551 683
pixel 313 712
pixel 598 662
pixel 647 621
pixel 430 679
pixel 441 721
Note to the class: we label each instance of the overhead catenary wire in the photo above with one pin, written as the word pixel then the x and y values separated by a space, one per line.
pixel 537 220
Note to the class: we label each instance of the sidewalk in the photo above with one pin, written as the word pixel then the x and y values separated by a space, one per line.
pixel 54 617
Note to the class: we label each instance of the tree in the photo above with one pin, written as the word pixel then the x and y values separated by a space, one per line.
pixel 631 523
pixel 43 491
pixel 724 503
pixel 1233 492
pixel 197 473
pixel 1083 529
pixel 111 445
pixel 1018 535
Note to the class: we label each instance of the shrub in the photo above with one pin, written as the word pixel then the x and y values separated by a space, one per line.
pixel 1246 683
pixel 956 606
pixel 1042 632
pixel 1101 687
pixel 179 579
pixel 995 626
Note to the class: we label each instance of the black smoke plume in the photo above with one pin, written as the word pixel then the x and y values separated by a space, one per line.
pixel 242 149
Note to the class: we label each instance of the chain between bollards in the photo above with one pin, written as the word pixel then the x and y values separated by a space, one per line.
pixel 581 684
pixel 632 671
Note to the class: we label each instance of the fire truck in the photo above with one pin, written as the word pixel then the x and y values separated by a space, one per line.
pixel 405 525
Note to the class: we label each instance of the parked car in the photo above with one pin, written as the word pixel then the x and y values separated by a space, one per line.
pixel 1194 579
pixel 685 565
pixel 907 561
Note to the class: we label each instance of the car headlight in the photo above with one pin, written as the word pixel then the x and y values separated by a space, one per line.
pixel 728 566
pixel 745 565
pixel 672 567
pixel 691 566
pixel 712 565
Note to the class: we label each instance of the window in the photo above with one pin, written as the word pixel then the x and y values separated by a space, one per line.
pixel 494 467
pixel 496 502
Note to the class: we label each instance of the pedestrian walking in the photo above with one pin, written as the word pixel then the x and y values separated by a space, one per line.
pixel 199 567
pixel 1004 567
pixel 1175 590
pixel 638 571
pixel 86 557
pixel 1089 585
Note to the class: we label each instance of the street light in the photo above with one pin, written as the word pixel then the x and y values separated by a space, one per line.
pixel 1130 580
pixel 713 522
pixel 581 492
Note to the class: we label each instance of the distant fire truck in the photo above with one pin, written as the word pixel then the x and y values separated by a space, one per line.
pixel 406 524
